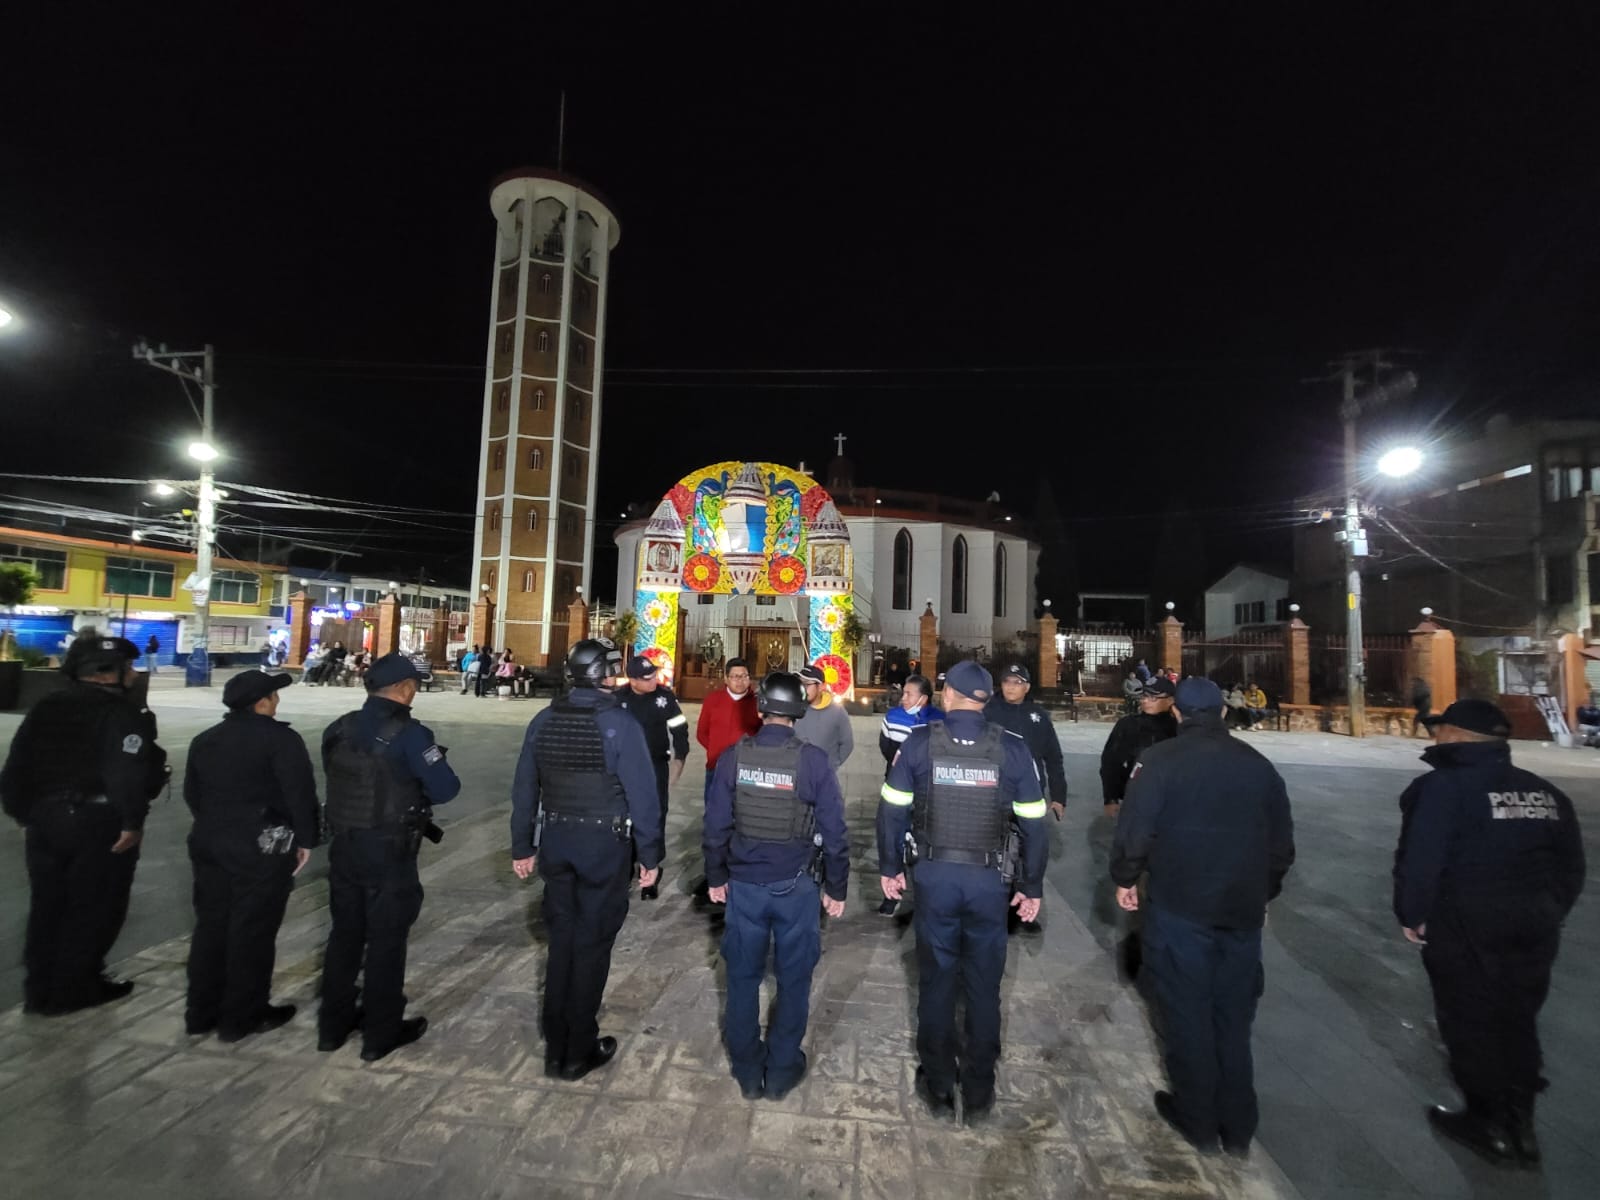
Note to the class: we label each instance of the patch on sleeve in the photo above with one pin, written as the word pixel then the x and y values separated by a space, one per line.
pixel 432 755
pixel 132 744
pixel 1134 774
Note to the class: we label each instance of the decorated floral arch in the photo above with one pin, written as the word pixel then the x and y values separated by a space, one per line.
pixel 740 528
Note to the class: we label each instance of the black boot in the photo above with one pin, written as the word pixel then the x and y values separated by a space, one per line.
pixel 1519 1126
pixel 1476 1127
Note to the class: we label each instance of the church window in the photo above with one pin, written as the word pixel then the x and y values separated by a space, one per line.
pixel 581 351
pixel 544 283
pixel 491 579
pixel 543 341
pixel 494 517
pixel 902 571
pixel 566 583
pixel 533 517
pixel 958 575
pixel 499 457
pixel 536 459
pixel 527 580
pixel 1000 580
pixel 502 399
pixel 538 400
pixel 506 341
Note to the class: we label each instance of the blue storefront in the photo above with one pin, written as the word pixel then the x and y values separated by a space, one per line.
pixel 42 633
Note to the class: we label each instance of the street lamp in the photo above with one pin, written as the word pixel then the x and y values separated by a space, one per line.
pixel 203 452
pixel 1401 461
pixel 5 317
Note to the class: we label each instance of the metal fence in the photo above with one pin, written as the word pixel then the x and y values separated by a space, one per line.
pixel 1386 658
pixel 1245 656
pixel 1096 661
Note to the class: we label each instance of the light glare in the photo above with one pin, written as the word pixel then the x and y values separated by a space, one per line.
pixel 1402 460
pixel 202 451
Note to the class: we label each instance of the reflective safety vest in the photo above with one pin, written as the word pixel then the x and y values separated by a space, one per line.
pixel 959 817
pixel 571 752
pixel 365 791
pixel 766 794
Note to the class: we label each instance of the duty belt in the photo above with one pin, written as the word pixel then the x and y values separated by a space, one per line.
pixel 971 858
pixel 73 798
pixel 616 825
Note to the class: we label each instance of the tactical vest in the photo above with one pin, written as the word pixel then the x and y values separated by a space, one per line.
pixel 573 780
pixel 64 756
pixel 364 789
pixel 958 818
pixel 766 796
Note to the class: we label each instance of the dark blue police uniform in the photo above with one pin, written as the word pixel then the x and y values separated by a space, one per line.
pixel 1490 861
pixel 666 729
pixel 1208 816
pixel 956 786
pixel 584 800
pixel 770 794
pixel 384 772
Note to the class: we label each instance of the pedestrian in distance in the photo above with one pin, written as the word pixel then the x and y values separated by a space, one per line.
pixel 1013 711
pixel 773 800
pixel 1208 817
pixel 1132 735
pixel 916 708
pixel 384 772
pixel 152 648
pixel 249 784
pixel 583 806
pixel 1490 862
pixel 79 778
pixel 666 733
pixel 827 723
pixel 1422 703
pixel 955 787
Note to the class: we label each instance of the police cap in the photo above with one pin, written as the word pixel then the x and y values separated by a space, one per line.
pixel 1159 686
pixel 390 670
pixel 245 688
pixel 640 667
pixel 971 679
pixel 1198 694
pixel 1475 716
pixel 813 674
pixel 92 654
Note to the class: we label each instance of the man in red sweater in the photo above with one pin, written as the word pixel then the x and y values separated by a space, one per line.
pixel 727 715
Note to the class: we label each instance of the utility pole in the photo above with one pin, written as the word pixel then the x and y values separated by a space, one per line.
pixel 1353 535
pixel 204 452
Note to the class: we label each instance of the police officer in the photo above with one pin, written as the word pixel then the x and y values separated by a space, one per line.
pixel 1208 817
pixel 248 782
pixel 1132 735
pixel 666 732
pixel 1489 863
pixel 80 776
pixel 772 795
pixel 583 804
pixel 1012 710
pixel 384 773
pixel 956 785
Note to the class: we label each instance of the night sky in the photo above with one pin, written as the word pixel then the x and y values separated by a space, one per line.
pixel 992 253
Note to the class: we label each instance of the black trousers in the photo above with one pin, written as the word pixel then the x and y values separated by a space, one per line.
pixel 240 895
pixel 586 874
pixel 1490 971
pixel 374 897
pixel 78 900
pixel 661 791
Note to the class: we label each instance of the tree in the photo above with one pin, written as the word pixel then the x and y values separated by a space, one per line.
pixel 624 629
pixel 852 633
pixel 17 582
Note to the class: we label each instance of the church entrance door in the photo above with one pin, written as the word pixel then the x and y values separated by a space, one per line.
pixel 766 651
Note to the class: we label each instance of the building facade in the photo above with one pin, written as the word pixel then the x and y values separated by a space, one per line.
pixel 1246 596
pixel 541 407
pixel 140 588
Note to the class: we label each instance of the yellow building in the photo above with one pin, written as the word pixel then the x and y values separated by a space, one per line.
pixel 87 582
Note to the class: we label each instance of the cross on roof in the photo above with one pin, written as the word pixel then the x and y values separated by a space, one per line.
pixel 839 440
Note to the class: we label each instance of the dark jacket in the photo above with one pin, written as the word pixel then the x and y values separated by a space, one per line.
pixel 1034 726
pixel 412 751
pixel 249 772
pixel 87 740
pixel 1208 816
pixel 1477 830
pixel 666 729
pixel 1130 737
pixel 627 757
pixel 730 856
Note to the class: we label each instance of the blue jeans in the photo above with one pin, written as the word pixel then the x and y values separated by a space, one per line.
pixel 785 917
pixel 1207 981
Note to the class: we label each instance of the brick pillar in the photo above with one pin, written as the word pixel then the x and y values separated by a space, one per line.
pixel 1431 657
pixel 1172 644
pixel 299 628
pixel 930 644
pixel 482 628
pixel 1298 649
pixel 1574 684
pixel 577 621
pixel 1049 664
pixel 387 636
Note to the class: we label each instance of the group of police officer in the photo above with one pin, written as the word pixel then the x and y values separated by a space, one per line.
pixel 1489 863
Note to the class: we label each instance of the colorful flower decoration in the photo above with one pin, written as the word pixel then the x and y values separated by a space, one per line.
pixel 682 501
pixel 661 658
pixel 701 572
pixel 830 618
pixel 836 671
pixel 657 611
pixel 786 575
pixel 811 503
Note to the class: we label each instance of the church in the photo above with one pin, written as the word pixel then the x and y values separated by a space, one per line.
pixel 757 560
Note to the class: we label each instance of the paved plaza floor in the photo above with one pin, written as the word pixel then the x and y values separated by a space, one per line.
pixel 120 1102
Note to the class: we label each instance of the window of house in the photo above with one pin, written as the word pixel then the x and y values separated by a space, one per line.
pixel 494 517
pixel 506 341
pixel 1558 580
pixel 702 598
pixel 499 457
pixel 49 565
pixel 236 587
pixel 566 583
pixel 570 465
pixel 492 581
pixel 527 581
pixel 575 408
pixel 1240 614
pixel 569 523
pixel 139 577
pixel 1280 611
pixel 766 601
pixel 901 589
pixel 538 400
pixel 543 341
pixel 544 283
pixel 536 458
pixel 1000 579
pixel 533 520
pixel 958 575
pixel 1258 612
